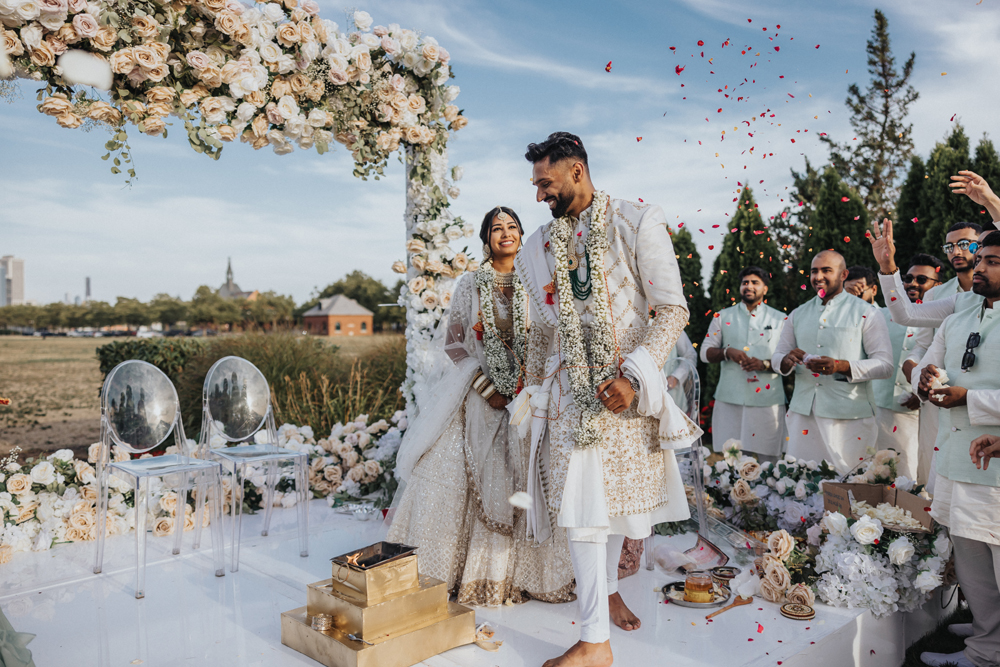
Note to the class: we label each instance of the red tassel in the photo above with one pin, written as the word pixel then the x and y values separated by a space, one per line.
pixel 479 335
pixel 549 300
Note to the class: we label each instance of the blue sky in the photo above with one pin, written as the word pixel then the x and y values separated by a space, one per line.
pixel 297 222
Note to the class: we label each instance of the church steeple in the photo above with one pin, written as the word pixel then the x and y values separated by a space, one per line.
pixel 229 270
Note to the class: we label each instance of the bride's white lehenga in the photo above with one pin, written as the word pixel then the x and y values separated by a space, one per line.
pixel 459 463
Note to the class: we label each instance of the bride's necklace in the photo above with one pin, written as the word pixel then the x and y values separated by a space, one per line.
pixel 503 280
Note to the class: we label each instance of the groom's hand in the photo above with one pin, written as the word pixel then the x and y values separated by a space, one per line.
pixel 616 395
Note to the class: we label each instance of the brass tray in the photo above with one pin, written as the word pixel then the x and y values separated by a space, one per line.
pixel 722 596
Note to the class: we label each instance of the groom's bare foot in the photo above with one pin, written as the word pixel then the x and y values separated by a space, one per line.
pixel 584 654
pixel 622 615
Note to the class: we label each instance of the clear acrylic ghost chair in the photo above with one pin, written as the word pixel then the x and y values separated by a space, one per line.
pixel 236 404
pixel 686 396
pixel 139 411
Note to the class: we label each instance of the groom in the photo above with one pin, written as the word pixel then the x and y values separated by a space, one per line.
pixel 601 464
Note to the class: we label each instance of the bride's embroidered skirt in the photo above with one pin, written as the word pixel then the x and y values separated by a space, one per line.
pixel 441 514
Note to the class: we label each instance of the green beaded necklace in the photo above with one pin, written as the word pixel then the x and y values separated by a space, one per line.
pixel 581 288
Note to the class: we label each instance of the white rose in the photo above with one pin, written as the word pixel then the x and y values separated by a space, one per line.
pixel 927 581
pixel 407 39
pixel 273 12
pixel 454 192
pixel 800 489
pixel 721 467
pixel 453 233
pixel 780 486
pixel 942 546
pixel 363 20
pixel 457 173
pixel 44 473
pixel 900 551
pixel 836 524
pixel 287 107
pixel 270 52
pixel 867 530
pixel 65 455
pixel 904 483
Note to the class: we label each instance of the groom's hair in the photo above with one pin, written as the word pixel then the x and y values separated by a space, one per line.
pixel 559 146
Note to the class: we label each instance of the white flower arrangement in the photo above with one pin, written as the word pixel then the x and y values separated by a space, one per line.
pixel 585 375
pixel 35 516
pixel 505 376
pixel 864 564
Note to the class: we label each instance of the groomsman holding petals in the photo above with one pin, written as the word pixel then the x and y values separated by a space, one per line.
pixel 836 344
pixel 750 398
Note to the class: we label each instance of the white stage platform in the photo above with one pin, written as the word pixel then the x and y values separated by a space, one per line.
pixel 190 617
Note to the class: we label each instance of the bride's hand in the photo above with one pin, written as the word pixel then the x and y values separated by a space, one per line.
pixel 498 401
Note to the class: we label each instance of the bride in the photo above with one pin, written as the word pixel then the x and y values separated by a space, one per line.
pixel 461 459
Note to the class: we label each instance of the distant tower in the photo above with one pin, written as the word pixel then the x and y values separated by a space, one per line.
pixel 229 270
pixel 86 299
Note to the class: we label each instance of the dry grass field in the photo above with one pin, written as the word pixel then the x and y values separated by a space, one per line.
pixel 53 386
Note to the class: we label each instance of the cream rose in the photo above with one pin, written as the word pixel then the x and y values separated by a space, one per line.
pixel 770 592
pixel 429 52
pixel 287 107
pixel 459 123
pixel 145 26
pixel 18 484
pixel 56 105
pixel 801 594
pixel 89 493
pixel 288 35
pixel 429 299
pixel 417 284
pixel 867 530
pixel 43 55
pixel 373 468
pixel 750 470
pixel 398 267
pixel 12 44
pixel 105 38
pixel 211 76
pixel 781 544
pixel 86 26
pixel 415 245
pixel 67 34
pixel 356 474
pixel 777 574
pixel 163 526
pixel 460 261
pixel 82 520
pixel 742 493
pixel 6 552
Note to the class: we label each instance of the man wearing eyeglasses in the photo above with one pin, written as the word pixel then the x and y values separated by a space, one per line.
pixel 967 498
pixel 896 406
pixel 836 344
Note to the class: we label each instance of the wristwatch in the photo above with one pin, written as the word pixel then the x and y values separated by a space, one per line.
pixel 767 366
pixel 632 381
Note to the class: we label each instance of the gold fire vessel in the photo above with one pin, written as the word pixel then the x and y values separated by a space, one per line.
pixel 384 613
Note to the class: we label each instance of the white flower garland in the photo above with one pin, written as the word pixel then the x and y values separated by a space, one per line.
pixel 504 377
pixel 585 377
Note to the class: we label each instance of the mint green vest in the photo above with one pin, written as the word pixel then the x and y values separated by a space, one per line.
pixel 834 330
pixel 888 390
pixel 756 334
pixel 953 460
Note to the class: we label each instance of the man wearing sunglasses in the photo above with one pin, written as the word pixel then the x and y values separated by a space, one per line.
pixel 896 406
pixel 927 313
pixel 836 344
pixel 967 496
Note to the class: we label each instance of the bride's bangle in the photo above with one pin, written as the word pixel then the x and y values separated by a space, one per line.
pixel 482 385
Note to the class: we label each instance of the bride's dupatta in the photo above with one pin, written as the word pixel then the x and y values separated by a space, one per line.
pixel 492 467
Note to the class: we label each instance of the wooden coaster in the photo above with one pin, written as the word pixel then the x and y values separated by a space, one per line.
pixel 798 612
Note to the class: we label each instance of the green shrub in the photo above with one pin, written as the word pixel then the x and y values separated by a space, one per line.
pixel 170 355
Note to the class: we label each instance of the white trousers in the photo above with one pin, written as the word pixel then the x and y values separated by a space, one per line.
pixel 977 565
pixel 927 439
pixel 842 442
pixel 900 431
pixel 760 430
pixel 596 568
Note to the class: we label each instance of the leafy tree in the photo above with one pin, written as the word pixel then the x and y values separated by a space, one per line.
pixel 791 226
pixel 910 210
pixel 268 310
pixel 206 306
pixel 873 163
pixel 943 209
pixel 100 314
pixel 987 165
pixel 750 244
pixel 132 312
pixel 167 309
pixel 840 223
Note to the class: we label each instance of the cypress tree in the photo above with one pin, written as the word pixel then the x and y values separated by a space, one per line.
pixel 750 244
pixel 943 209
pixel 874 163
pixel 840 224
pixel 987 165
pixel 689 262
pixel 909 235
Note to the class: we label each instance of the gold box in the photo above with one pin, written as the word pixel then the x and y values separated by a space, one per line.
pixel 393 615
pixel 376 584
pixel 333 649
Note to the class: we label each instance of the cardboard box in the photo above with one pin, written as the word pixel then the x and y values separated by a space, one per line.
pixel 836 499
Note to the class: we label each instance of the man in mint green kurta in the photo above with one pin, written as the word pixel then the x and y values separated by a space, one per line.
pixel 966 496
pixel 836 344
pixel 750 398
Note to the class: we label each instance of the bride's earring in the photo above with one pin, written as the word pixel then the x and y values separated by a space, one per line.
pixel 486 251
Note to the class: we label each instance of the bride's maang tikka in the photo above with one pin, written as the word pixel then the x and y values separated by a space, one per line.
pixel 501 215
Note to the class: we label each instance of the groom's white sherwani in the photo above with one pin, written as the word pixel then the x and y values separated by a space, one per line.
pixel 631 481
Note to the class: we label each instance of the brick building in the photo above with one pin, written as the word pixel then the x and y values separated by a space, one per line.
pixel 338 316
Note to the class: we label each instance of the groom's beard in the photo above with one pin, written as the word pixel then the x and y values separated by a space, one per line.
pixel 563 202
